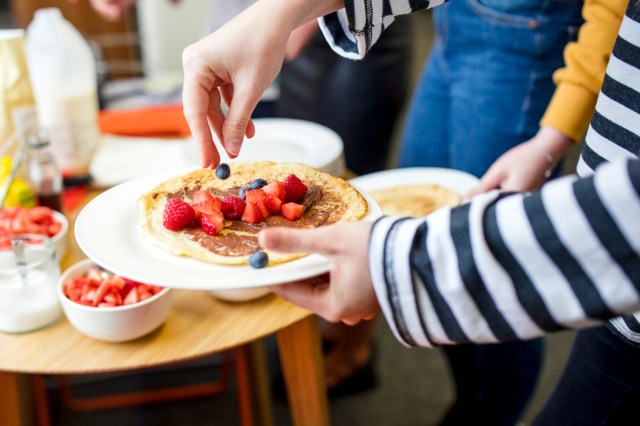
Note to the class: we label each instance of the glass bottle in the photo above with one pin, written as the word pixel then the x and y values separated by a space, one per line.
pixel 44 173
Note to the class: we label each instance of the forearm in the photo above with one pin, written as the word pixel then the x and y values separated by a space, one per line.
pixel 351 32
pixel 579 81
pixel 515 267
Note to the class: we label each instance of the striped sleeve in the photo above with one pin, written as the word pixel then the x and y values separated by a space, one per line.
pixel 506 267
pixel 352 31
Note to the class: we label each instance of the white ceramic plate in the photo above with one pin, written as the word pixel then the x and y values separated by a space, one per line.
pixel 108 231
pixel 455 180
pixel 119 159
pixel 286 140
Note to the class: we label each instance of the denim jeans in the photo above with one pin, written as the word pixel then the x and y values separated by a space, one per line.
pixel 484 89
pixel 488 80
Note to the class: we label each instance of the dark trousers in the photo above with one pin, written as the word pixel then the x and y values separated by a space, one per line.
pixel 493 382
pixel 600 384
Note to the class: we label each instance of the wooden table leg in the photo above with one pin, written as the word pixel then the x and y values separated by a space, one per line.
pixel 302 364
pixel 16 407
pixel 259 379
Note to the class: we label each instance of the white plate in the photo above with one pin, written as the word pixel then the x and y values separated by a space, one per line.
pixel 119 159
pixel 108 231
pixel 286 140
pixel 455 180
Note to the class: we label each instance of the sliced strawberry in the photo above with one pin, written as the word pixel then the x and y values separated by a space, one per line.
pixel 292 211
pixel 212 223
pixel 275 189
pixel 263 209
pixel 206 203
pixel 232 207
pixel 294 188
pixel 131 297
pixel 94 276
pixel 255 195
pixel 272 204
pixel 252 213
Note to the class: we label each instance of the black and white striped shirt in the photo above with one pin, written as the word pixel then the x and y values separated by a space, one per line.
pixel 515 266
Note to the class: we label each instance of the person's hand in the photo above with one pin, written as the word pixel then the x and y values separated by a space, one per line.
pixel 349 295
pixel 236 64
pixel 300 39
pixel 523 167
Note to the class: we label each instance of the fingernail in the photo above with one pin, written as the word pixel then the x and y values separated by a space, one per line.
pixel 233 146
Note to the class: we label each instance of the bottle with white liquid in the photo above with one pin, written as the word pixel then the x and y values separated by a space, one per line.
pixel 62 70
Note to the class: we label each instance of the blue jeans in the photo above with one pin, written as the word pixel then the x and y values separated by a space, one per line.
pixel 488 80
pixel 484 90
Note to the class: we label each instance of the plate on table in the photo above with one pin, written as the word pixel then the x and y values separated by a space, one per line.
pixel 108 232
pixel 454 180
pixel 288 141
pixel 119 159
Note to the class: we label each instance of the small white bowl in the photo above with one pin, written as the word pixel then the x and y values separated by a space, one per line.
pixel 243 295
pixel 60 239
pixel 117 324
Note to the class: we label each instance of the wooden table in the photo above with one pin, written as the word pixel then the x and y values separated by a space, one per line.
pixel 198 325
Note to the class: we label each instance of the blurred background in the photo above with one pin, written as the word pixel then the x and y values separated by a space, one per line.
pixel 139 64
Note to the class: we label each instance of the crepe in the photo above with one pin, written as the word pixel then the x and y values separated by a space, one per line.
pixel 329 200
pixel 414 200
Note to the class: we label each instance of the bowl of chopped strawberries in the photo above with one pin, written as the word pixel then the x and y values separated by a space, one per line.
pixel 35 220
pixel 109 307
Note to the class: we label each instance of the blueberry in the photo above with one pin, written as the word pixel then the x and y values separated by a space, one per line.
pixel 258 183
pixel 242 192
pixel 223 171
pixel 258 260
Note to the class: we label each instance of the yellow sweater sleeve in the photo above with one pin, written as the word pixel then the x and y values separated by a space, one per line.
pixel 579 81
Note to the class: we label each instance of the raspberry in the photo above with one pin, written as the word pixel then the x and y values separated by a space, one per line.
pixel 177 214
pixel 232 207
pixel 294 188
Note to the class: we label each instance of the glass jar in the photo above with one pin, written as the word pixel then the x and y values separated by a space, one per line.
pixel 45 177
pixel 29 274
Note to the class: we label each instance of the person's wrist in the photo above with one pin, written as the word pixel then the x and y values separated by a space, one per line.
pixel 302 11
pixel 554 146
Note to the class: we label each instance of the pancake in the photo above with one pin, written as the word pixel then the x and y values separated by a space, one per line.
pixel 414 200
pixel 329 200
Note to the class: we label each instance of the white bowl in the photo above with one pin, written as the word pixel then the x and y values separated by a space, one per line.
pixel 243 295
pixel 117 324
pixel 60 239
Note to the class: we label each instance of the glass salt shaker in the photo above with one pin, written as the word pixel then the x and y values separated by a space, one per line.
pixel 44 173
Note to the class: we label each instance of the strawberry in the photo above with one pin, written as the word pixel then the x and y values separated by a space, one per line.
pixel 206 203
pixel 294 188
pixel 272 204
pixel 232 207
pixel 177 214
pixel 213 223
pixel 275 189
pixel 263 209
pixel 255 195
pixel 252 213
pixel 292 211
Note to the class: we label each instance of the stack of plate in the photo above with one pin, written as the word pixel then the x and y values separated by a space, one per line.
pixel 122 158
pixel 288 141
